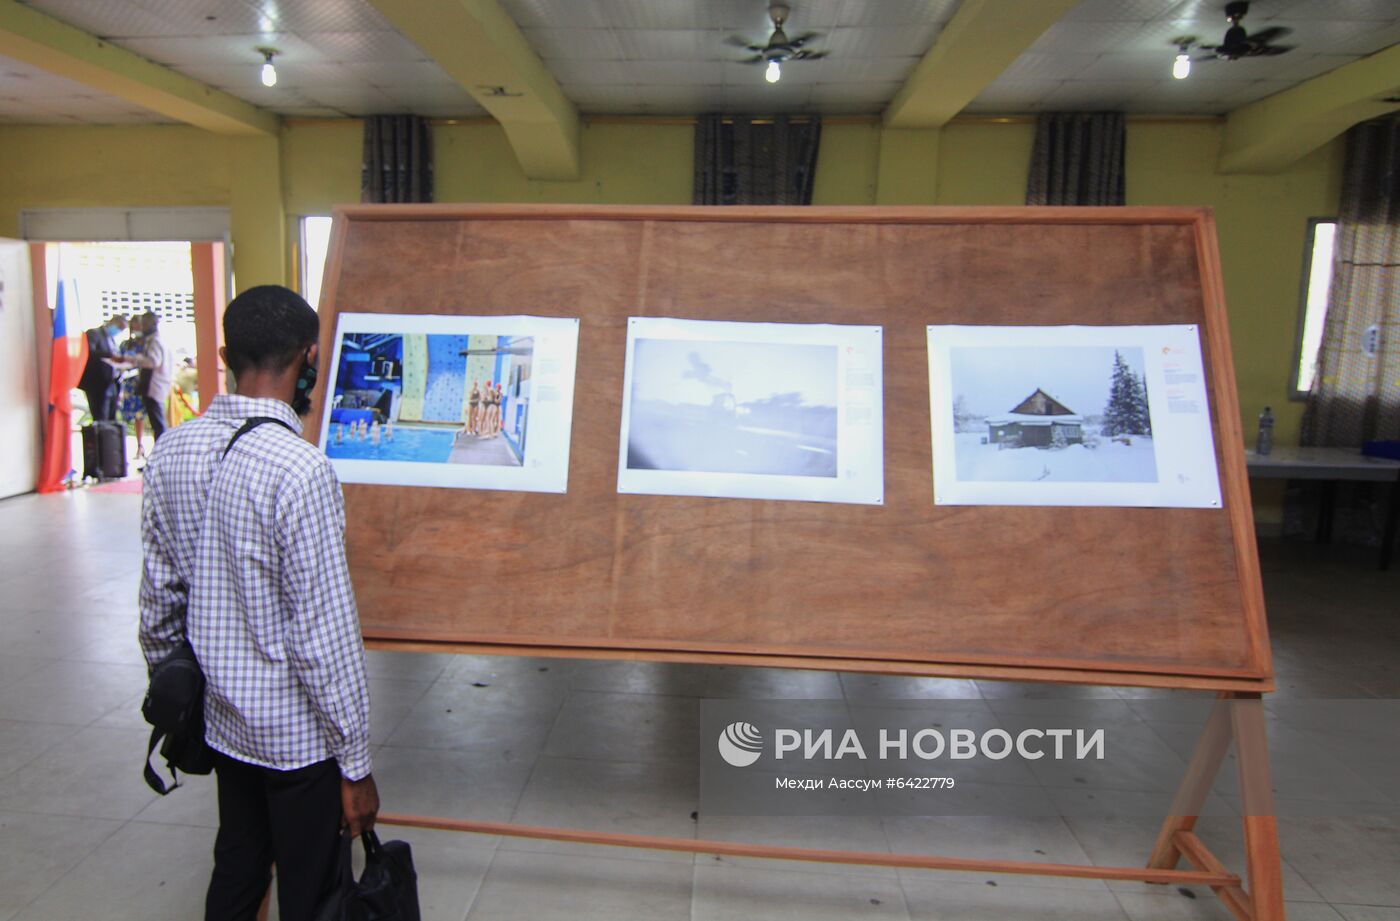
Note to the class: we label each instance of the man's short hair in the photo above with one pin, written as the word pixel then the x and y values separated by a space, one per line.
pixel 119 319
pixel 150 322
pixel 265 327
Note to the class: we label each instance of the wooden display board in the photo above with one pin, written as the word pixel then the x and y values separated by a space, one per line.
pixel 1156 597
pixel 1147 596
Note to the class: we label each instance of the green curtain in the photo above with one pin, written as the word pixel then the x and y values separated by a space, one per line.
pixel 397 165
pixel 1077 159
pixel 746 161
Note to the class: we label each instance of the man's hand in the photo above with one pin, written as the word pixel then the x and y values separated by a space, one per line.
pixel 359 804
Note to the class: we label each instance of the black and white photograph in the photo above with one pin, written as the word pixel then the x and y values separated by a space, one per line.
pixel 1070 415
pixel 733 407
pixel 752 410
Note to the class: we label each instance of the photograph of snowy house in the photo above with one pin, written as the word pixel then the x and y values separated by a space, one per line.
pixel 1086 418
pixel 1038 421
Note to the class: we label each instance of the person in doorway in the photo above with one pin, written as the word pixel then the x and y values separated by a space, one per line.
pixel 157 359
pixel 286 704
pixel 99 380
pixel 132 406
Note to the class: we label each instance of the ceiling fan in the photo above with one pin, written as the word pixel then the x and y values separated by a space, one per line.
pixel 780 48
pixel 1240 44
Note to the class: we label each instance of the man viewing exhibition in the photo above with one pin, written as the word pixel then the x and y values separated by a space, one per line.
pixel 242 530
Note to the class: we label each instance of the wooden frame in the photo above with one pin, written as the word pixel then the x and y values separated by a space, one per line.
pixel 499 259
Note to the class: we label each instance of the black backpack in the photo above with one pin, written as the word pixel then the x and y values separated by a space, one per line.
pixel 174 704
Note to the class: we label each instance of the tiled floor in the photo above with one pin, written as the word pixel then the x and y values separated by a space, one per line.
pixel 600 745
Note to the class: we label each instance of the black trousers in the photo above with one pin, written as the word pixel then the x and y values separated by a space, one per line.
pixel 155 412
pixel 291 818
pixel 102 402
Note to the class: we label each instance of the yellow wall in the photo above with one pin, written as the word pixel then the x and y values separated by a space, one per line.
pixel 266 184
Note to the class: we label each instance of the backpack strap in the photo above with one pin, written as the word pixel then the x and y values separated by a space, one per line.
pixel 154 780
pixel 251 423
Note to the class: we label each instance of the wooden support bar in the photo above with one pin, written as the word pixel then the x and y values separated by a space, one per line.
pixel 1195 785
pixel 1264 865
pixel 776 852
pixel 1195 850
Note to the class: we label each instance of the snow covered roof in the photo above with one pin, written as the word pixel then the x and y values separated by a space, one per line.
pixel 1029 419
pixel 1041 403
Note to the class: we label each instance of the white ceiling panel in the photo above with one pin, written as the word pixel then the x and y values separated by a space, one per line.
pixel 1372 10
pixel 315 112
pixel 897 41
pixel 225 49
pixel 206 17
pixel 1121 10
pixel 896 12
pixel 290 75
pixel 365 47
pixel 579 44
pixel 1301 66
pixel 354 100
pixel 675 73
pixel 853 97
pixel 590 73
pixel 1084 95
pixel 305 16
pixel 116 18
pixel 765 100
pixel 1047 66
pixel 862 70
pixel 1138 66
pixel 672 44
pixel 1010 97
pixel 437 96
pixel 399 73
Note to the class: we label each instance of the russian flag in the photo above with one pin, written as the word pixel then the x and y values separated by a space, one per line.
pixel 70 352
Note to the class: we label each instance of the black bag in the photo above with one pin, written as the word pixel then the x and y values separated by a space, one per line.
pixel 104 451
pixel 388 887
pixel 174 706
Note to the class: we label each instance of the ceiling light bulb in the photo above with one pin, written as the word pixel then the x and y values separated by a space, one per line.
pixel 774 73
pixel 1181 68
pixel 269 73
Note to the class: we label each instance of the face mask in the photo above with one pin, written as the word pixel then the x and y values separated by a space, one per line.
pixel 301 402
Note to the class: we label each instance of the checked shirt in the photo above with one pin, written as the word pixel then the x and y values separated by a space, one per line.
pixel 247 554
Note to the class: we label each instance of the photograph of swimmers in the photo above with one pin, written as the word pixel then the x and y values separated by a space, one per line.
pixel 428 398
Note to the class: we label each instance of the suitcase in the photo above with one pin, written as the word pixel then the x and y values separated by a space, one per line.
pixel 104 451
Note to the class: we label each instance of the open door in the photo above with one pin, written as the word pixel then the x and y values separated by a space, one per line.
pixel 21 433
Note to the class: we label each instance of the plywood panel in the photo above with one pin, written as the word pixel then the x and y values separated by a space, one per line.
pixel 1105 591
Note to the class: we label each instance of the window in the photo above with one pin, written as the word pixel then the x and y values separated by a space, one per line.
pixel 315 240
pixel 1317 280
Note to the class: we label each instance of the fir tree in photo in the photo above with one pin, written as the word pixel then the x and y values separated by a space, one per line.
pixel 1126 412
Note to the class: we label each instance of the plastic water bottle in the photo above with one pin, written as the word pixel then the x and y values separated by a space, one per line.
pixel 1265 442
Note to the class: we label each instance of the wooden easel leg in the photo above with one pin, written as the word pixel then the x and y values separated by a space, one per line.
pixel 1195 784
pixel 1262 857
